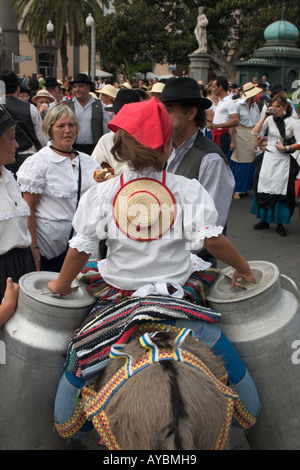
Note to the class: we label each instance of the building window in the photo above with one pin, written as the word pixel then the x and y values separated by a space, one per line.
pixel 44 63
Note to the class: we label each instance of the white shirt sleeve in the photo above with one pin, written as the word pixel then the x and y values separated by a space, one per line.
pixel 295 127
pixel 31 175
pixel 200 219
pixel 220 187
pixel 89 222
pixel 102 153
pixel 106 119
pixel 232 108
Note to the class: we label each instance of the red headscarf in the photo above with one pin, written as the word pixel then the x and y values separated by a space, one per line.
pixel 147 121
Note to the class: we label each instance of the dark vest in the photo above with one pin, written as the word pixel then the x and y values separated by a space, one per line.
pixel 25 132
pixel 97 119
pixel 190 164
pixel 189 167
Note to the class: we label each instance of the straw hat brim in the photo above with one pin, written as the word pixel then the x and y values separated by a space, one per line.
pixel 42 95
pixel 144 209
pixel 108 90
pixel 250 93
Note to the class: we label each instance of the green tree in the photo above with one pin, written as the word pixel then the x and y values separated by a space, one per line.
pixel 236 28
pixel 68 17
pixel 157 32
pixel 146 31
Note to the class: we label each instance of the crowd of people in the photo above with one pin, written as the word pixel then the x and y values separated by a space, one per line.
pixel 257 127
pixel 230 138
pixel 175 154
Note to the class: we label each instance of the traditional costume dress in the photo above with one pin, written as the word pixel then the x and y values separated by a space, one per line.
pixel 241 160
pixel 56 179
pixel 15 239
pixel 274 182
pixel 150 221
pixel 132 261
pixel 137 282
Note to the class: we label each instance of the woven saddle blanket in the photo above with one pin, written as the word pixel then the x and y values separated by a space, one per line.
pixel 115 322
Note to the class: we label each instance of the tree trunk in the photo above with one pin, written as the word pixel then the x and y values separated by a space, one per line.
pixel 221 65
pixel 64 55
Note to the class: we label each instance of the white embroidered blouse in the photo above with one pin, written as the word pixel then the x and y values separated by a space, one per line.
pixel 55 179
pixel 14 212
pixel 274 173
pixel 133 264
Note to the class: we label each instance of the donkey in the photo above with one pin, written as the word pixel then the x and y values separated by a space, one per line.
pixel 166 404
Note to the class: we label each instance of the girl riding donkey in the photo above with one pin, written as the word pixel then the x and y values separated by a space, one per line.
pixel 150 220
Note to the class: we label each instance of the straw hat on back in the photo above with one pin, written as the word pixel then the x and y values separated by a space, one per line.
pixel 144 208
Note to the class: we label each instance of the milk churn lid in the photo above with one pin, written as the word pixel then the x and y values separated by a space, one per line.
pixel 34 285
pixel 266 274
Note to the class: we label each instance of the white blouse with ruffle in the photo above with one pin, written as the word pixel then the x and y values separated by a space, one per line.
pixel 134 264
pixel 55 179
pixel 14 212
pixel 274 173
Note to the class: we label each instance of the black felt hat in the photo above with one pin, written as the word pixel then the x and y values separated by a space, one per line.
pixel 5 122
pixel 50 81
pixel 10 79
pixel 81 78
pixel 276 88
pixel 123 97
pixel 24 89
pixel 184 89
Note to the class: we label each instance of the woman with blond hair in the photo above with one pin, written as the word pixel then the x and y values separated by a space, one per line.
pixel 52 181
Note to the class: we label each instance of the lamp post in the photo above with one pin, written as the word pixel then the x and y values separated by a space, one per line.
pixel 1 42
pixel 50 29
pixel 90 22
pixel 0 48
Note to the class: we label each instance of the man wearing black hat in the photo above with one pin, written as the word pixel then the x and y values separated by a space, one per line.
pixel 194 155
pixel 90 113
pixel 29 129
pixel 52 86
pixel 24 94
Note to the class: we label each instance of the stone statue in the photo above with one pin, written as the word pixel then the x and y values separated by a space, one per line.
pixel 200 31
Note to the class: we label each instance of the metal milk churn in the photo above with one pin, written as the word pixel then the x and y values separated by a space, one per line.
pixel 262 322
pixel 36 339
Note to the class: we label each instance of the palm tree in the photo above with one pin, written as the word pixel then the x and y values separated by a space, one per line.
pixel 68 17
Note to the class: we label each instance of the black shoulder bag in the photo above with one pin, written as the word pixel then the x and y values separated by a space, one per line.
pixel 281 127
